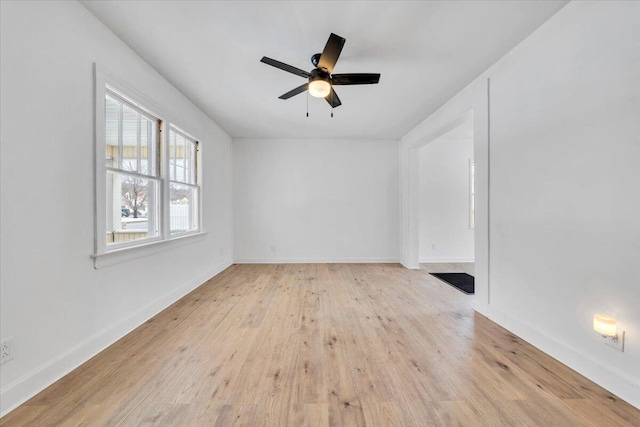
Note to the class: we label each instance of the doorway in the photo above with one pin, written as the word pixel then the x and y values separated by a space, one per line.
pixel 446 208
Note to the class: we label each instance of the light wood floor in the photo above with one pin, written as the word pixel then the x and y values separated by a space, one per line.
pixel 314 345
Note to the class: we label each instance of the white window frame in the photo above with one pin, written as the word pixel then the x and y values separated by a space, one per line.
pixel 154 223
pixel 196 185
pixel 105 82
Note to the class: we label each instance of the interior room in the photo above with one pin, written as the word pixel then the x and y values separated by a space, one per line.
pixel 449 237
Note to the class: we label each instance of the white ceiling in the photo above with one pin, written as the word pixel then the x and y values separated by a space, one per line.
pixel 425 51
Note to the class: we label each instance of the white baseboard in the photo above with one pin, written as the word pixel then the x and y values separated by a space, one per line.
pixel 22 389
pixel 409 267
pixel 316 260
pixel 424 260
pixel 621 384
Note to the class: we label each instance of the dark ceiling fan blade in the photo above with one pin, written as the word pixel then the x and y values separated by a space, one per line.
pixel 333 99
pixel 355 79
pixel 285 67
pixel 331 52
pixel 295 91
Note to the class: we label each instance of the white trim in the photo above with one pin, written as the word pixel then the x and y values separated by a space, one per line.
pixel 143 250
pixel 131 244
pixel 472 195
pixel 184 134
pixel 181 130
pixel 133 174
pixel 197 167
pixel 316 261
pixel 444 129
pixel 122 98
pixel 424 260
pixel 410 248
pixel 100 175
pixel 165 199
pixel 409 237
pixel 128 92
pixel 17 392
pixel 107 83
pixel 600 372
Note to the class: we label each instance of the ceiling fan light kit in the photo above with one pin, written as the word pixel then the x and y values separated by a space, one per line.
pixel 320 81
pixel 319 85
pixel 319 88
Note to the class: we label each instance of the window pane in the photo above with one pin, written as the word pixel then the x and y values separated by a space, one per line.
pixel 148 146
pixel 179 158
pixel 187 161
pixel 172 155
pixel 144 145
pixel 182 158
pixel 183 208
pixel 132 206
pixel 112 131
pixel 192 163
pixel 130 137
pixel 130 119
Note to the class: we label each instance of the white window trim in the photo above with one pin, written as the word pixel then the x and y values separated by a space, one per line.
pixel 153 219
pixel 142 250
pixel 197 185
pixel 137 248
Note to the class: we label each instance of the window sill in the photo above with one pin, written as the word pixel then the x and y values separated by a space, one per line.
pixel 118 256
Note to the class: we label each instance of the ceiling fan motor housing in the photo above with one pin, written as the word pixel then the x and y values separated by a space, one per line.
pixel 319 74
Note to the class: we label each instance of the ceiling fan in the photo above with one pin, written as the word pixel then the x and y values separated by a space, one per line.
pixel 320 80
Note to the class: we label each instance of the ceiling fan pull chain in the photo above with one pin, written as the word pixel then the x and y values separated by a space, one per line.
pixel 307 103
pixel 331 112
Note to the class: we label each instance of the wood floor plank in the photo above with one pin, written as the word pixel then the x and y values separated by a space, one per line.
pixel 237 415
pixel 315 415
pixel 383 414
pixel 323 345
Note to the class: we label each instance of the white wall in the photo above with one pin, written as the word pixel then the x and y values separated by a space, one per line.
pixel 315 200
pixel 57 308
pixel 445 235
pixel 564 199
pixel 565 177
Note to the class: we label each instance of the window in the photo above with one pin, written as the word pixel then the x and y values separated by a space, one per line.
pixel 183 182
pixel 132 181
pixel 147 171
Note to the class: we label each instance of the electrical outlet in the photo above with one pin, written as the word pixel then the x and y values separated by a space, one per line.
pixel 616 342
pixel 6 351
